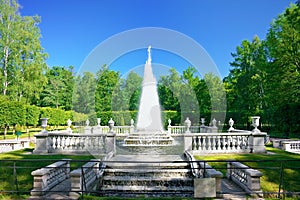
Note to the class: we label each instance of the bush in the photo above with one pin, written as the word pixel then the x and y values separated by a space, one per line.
pixel 32 115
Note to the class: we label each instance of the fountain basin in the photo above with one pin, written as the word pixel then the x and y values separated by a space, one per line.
pixel 148 139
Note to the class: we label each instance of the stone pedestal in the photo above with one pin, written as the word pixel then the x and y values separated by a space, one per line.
pixel 257 142
pixel 41 145
pixel 110 142
pixel 187 142
pixel 205 188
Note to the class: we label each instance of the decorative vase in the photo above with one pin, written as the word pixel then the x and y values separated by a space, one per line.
pixel 44 122
pixel 98 122
pixel 111 124
pixel 187 123
pixel 231 122
pixel 255 123
pixel 69 123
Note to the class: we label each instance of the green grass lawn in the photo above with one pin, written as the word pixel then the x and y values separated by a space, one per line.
pixel 269 164
pixel 25 163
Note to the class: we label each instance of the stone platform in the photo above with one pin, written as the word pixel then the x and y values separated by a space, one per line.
pixel 148 175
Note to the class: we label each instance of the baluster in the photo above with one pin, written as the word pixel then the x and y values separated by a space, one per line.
pixel 76 142
pixel 202 143
pixel 229 141
pixel 67 142
pixel 226 142
pixel 82 142
pixel 194 143
pixel 208 145
pixel 56 143
pixel 62 142
pixel 233 142
pixel 239 142
pixel 218 142
pixel 213 142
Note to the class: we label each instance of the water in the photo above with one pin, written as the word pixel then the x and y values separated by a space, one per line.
pixel 176 148
pixel 149 115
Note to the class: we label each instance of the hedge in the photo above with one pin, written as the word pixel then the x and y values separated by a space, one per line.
pixel 16 113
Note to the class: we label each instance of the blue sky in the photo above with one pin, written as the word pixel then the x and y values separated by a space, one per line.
pixel 71 29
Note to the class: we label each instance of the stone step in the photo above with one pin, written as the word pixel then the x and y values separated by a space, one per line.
pixel 145 188
pixel 124 179
pixel 148 172
pixel 143 165
pixel 147 194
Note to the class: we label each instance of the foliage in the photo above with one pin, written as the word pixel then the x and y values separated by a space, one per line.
pixel 59 90
pixel 131 91
pixel 22 59
pixel 107 84
pixel 84 93
pixel 265 76
pixel 32 115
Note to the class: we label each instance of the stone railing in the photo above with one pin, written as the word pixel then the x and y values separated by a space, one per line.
pixel 119 130
pixel 86 178
pixel 245 177
pixel 287 145
pixel 46 178
pixel 177 130
pixel 233 142
pixel 74 143
pixel 12 145
pixel 207 180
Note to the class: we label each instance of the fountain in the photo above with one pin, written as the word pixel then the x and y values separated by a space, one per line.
pixel 149 128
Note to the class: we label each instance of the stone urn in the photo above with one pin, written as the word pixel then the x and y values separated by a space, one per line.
pixel 111 124
pixel 131 122
pixel 214 123
pixel 69 123
pixel 187 123
pixel 44 122
pixel 255 123
pixel 202 121
pixel 87 122
pixel 231 122
pixel 169 122
pixel 98 122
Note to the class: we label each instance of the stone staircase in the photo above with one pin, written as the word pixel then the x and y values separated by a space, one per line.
pixel 147 179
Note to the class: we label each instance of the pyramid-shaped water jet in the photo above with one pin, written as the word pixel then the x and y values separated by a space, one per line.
pixel 149 128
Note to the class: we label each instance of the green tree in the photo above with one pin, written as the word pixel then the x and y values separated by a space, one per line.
pixel 132 89
pixel 107 83
pixel 84 93
pixel 283 78
pixel 22 58
pixel 169 90
pixel 59 90
pixel 246 80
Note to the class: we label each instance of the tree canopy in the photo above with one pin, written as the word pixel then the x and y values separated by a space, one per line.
pixel 263 80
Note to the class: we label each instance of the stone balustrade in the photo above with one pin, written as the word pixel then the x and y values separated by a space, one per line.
pixel 80 143
pixel 54 142
pixel 245 177
pixel 121 130
pixel 233 142
pixel 86 178
pixel 291 146
pixel 12 145
pixel 177 130
pixel 46 178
